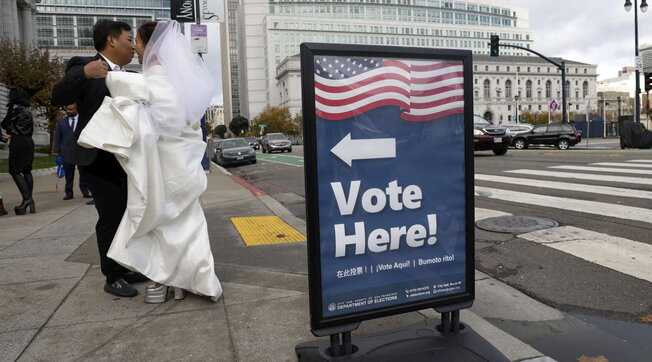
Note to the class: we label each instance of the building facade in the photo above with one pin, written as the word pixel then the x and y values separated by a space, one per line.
pixel 501 86
pixel 66 26
pixel 17 23
pixel 421 23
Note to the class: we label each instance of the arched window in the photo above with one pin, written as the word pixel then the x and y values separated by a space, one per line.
pixel 528 89
pixel 487 86
pixel 548 89
pixel 508 88
pixel 585 89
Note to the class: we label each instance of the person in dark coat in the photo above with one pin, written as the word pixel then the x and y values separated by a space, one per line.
pixel 3 139
pixel 19 125
pixel 63 135
pixel 84 84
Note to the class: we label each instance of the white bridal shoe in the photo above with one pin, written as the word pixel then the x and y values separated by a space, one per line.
pixel 155 295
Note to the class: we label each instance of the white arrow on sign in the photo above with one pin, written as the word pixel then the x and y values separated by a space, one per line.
pixel 365 149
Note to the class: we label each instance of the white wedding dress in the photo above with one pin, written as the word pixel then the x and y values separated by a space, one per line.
pixel 163 233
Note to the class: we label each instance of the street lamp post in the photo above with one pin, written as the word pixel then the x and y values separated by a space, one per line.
pixel 516 108
pixel 619 100
pixel 628 7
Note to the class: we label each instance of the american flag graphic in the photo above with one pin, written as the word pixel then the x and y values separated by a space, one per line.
pixel 425 90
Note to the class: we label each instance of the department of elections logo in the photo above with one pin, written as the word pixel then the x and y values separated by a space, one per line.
pixel 331 307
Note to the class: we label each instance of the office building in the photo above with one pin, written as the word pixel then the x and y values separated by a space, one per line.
pixel 269 31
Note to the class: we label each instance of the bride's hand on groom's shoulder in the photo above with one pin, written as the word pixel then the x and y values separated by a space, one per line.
pixel 96 69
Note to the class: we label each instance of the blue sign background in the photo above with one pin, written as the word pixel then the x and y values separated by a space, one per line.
pixel 428 154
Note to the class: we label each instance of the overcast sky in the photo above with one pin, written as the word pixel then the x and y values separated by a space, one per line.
pixel 591 31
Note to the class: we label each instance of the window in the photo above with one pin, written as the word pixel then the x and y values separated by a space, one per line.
pixel 585 89
pixel 43 20
pixel 539 130
pixel 65 20
pixel 548 89
pixel 487 89
pixel 528 89
pixel 567 89
pixel 508 88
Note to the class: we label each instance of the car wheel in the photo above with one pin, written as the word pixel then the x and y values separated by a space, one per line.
pixel 563 144
pixel 254 161
pixel 520 144
pixel 500 151
pixel 290 150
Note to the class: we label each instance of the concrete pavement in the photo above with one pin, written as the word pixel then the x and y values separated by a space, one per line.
pixel 52 306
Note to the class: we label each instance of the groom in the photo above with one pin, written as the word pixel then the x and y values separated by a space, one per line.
pixel 84 84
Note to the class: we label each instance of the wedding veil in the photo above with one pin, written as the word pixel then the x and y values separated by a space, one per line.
pixel 186 71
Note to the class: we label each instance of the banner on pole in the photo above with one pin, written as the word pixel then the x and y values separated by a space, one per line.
pixel 211 11
pixel 183 11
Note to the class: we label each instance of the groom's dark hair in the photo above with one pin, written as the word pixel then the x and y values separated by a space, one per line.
pixel 104 28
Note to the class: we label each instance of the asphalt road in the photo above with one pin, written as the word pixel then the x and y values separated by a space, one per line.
pixel 594 194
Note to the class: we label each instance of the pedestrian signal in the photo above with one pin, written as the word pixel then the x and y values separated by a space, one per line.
pixel 648 81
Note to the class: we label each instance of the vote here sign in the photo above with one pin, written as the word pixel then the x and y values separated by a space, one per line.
pixel 389 178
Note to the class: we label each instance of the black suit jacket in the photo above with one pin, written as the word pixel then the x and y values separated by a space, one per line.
pixel 88 94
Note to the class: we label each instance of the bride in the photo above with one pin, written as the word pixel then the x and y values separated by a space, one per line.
pixel 152 125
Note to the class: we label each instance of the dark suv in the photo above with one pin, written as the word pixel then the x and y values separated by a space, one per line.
pixel 562 135
pixel 489 137
pixel 275 142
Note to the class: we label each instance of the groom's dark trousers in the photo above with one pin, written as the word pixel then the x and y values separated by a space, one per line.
pixel 105 177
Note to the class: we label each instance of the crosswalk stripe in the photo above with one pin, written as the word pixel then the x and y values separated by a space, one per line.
pixel 644 161
pixel 481 213
pixel 602 169
pixel 626 256
pixel 584 176
pixel 604 190
pixel 639 165
pixel 589 207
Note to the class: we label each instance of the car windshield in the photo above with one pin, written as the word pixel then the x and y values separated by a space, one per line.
pixel 277 136
pixel 250 139
pixel 237 142
pixel 481 121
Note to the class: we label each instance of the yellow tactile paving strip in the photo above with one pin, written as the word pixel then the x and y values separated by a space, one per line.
pixel 265 230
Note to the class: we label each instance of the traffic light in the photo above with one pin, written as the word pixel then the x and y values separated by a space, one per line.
pixel 494 45
pixel 647 79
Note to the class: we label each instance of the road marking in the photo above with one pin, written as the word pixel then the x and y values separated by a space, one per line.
pixel 602 169
pixel 589 207
pixel 481 213
pixel 282 159
pixel 626 256
pixel 642 161
pixel 641 165
pixel 604 190
pixel 584 176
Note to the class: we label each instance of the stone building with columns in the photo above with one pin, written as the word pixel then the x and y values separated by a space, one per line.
pixel 501 85
pixel 17 22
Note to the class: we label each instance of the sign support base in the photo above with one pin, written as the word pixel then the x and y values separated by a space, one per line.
pixel 430 340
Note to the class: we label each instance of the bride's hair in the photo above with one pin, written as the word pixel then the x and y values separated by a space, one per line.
pixel 146 30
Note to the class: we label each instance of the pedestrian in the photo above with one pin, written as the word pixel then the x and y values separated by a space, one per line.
pixel 84 85
pixel 63 135
pixel 153 126
pixel 3 211
pixel 19 125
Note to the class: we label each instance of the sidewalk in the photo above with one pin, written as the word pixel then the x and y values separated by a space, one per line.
pixel 52 306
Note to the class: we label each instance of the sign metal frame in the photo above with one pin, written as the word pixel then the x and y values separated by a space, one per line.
pixel 321 325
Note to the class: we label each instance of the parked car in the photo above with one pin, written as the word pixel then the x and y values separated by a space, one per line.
pixel 562 135
pixel 489 137
pixel 517 128
pixel 253 142
pixel 276 142
pixel 233 151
